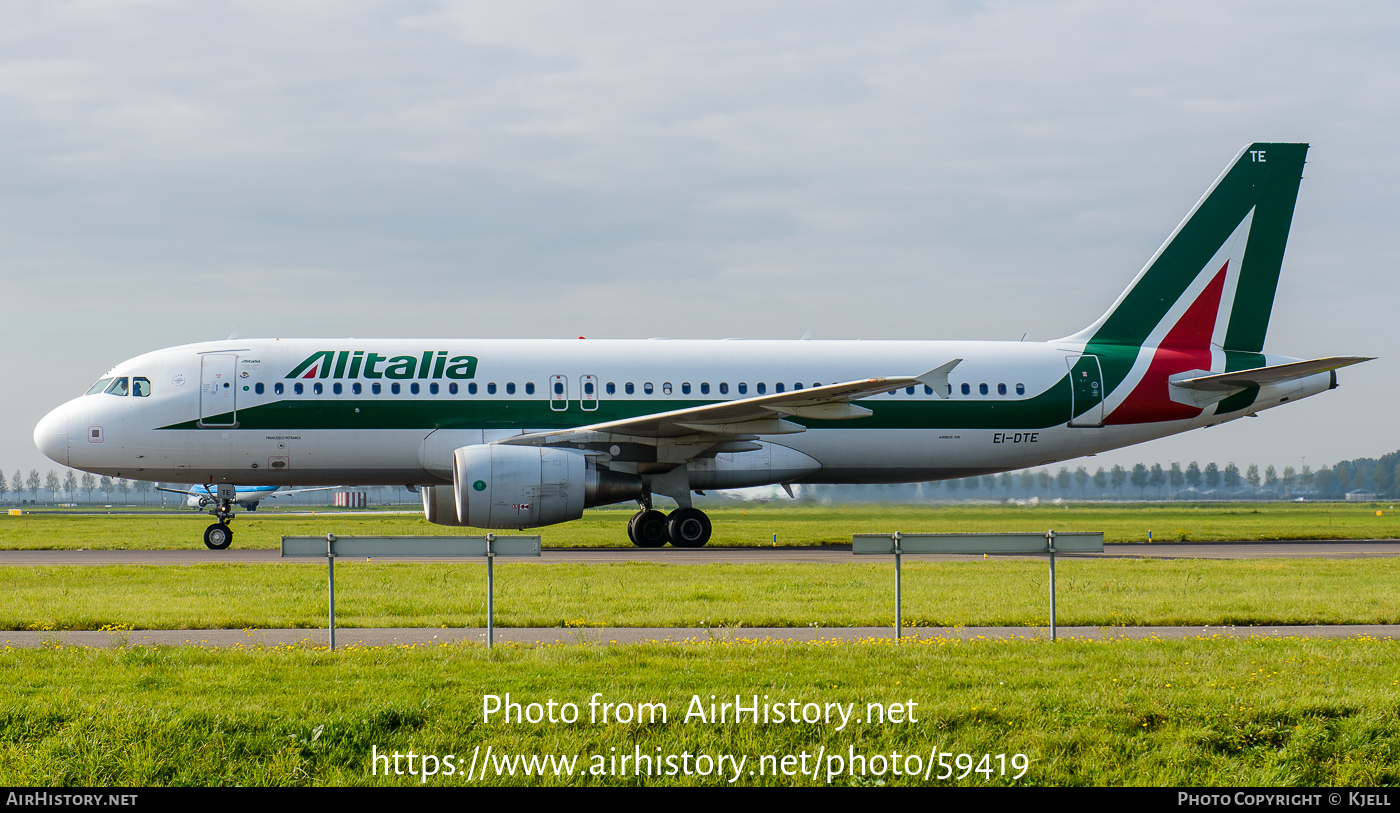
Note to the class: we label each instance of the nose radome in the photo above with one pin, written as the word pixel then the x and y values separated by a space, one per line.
pixel 51 435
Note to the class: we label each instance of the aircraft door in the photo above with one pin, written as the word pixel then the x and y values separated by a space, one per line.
pixel 588 385
pixel 1086 391
pixel 218 390
pixel 558 393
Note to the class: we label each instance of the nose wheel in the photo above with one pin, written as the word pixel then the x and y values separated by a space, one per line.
pixel 219 536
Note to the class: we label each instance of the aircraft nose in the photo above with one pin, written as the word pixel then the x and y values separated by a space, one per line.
pixel 51 435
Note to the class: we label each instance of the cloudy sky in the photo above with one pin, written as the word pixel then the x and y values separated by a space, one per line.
pixel 171 172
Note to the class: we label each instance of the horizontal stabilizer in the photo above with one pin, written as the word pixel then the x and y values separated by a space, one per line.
pixel 1259 376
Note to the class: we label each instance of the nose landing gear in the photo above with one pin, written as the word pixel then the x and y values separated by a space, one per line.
pixel 219 536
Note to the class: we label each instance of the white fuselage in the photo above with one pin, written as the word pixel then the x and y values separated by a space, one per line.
pixel 231 411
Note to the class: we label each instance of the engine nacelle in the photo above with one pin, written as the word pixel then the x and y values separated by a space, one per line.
pixel 498 486
pixel 440 505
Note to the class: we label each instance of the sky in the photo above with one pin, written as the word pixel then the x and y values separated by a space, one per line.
pixel 173 172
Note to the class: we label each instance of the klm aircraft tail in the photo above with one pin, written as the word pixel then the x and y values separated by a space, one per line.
pixel 1213 281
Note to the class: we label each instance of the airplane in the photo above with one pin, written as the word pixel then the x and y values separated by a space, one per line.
pixel 248 497
pixel 515 434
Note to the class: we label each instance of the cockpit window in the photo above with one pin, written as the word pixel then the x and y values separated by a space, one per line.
pixel 100 386
pixel 141 387
pixel 118 386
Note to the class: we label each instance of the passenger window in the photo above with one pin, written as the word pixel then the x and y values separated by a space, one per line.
pixel 558 388
pixel 928 390
pixel 452 388
pixel 510 388
pixel 612 388
pixel 529 388
pixel 413 388
pixel 357 388
pixel 966 389
pixel 796 387
pixel 277 388
pixel 1020 389
pixel 1001 389
pixel 761 388
pixel 317 388
pixel 744 388
pixel 778 387
pixel 588 388
pixel 336 388
pixel 491 388
pixel 395 388
pixel 908 390
pixel 258 388
pixel 982 388
pixel 376 387
pixel 117 387
pixel 433 388
pixel 629 388
pixel 723 388
pixel 685 387
pixel 141 387
pixel 666 388
pixel 471 388
pixel 298 388
pixel 100 386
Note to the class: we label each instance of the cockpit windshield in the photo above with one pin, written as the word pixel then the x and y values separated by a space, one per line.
pixel 118 386
pixel 100 386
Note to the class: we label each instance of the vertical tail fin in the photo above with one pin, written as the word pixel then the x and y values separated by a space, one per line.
pixel 1223 258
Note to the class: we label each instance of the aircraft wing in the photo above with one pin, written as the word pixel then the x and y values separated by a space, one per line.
pixel 184 491
pixel 759 415
pixel 1274 374
pixel 274 495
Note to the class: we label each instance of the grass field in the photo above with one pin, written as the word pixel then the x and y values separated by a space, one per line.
pixel 1193 713
pixel 792 525
pixel 1209 711
pixel 997 592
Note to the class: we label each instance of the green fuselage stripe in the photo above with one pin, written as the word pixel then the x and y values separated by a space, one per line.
pixel 1049 408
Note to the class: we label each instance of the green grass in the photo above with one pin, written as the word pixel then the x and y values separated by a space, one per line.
pixel 793 525
pixel 1213 712
pixel 997 592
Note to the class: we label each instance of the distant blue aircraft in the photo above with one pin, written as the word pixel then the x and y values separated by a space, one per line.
pixel 199 497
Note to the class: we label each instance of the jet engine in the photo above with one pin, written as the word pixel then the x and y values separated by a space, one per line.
pixel 498 486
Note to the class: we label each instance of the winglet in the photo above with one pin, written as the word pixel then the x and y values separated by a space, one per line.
pixel 937 378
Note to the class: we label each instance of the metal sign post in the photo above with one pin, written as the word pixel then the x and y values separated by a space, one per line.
pixel 1050 549
pixel 436 547
pixel 490 593
pixel 1025 544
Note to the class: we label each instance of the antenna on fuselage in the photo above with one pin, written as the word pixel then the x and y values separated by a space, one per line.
pixel 234 334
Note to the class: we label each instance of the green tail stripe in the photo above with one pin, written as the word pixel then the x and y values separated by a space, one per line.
pixel 1269 187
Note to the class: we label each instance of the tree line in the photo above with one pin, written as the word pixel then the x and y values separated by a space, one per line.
pixel 1192 481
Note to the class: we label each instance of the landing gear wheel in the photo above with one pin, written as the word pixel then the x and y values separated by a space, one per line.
pixel 647 529
pixel 688 528
pixel 218 536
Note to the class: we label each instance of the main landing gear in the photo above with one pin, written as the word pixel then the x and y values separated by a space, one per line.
pixel 219 536
pixel 683 528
